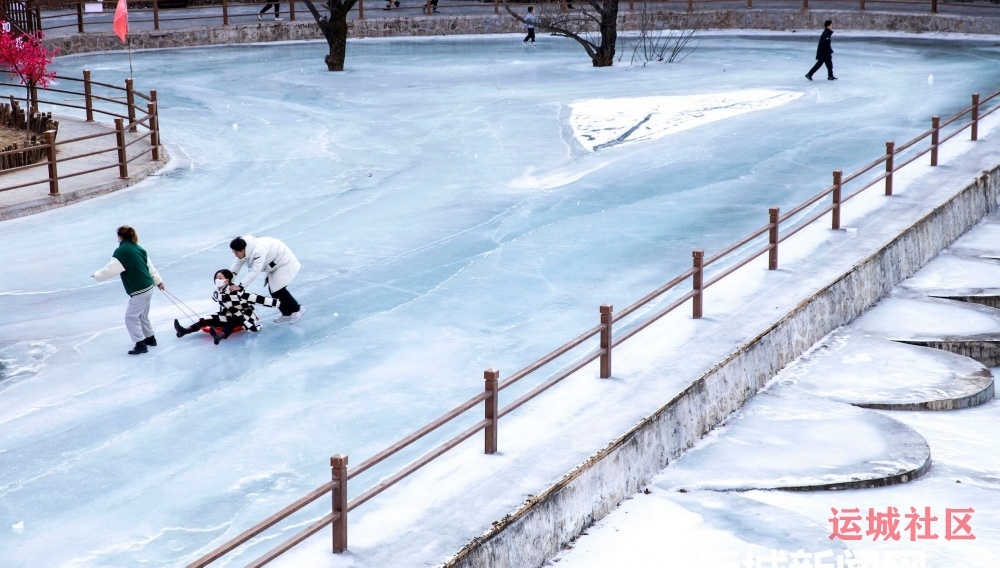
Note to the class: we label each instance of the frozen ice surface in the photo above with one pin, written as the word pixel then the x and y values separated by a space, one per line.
pixel 867 371
pixel 442 207
pixel 791 441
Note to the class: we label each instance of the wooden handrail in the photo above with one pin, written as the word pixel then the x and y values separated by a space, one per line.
pixel 595 354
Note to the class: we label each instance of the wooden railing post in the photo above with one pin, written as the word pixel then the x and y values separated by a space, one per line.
pixel 805 4
pixel 361 9
pixel 225 12
pixel 935 131
pixel 79 16
pixel 749 4
pixel 50 152
pixel 934 6
pixel 606 341
pixel 975 116
pixel 862 5
pixel 492 377
pixel 698 259
pixel 291 10
pixel 88 97
pixel 772 256
pixel 130 101
pixel 154 135
pixel 156 15
pixel 836 198
pixel 338 471
pixel 496 7
pixel 890 153
pixel 122 157
pixel 631 5
pixel 690 5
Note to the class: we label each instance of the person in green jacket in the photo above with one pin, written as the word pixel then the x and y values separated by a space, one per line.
pixel 138 275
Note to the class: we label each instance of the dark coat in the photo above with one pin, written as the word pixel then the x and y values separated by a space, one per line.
pixel 824 50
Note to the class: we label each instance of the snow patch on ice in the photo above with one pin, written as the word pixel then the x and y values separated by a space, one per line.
pixel 603 123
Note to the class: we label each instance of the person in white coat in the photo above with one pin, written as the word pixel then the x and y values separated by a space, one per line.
pixel 276 261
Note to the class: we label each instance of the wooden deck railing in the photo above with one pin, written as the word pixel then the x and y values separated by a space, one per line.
pixel 72 15
pixel 128 115
pixel 766 239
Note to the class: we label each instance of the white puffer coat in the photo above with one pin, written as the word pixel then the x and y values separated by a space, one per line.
pixel 268 255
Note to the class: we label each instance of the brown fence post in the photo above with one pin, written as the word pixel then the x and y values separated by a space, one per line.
pixel 79 17
pixel 154 135
pixel 862 5
pixel 772 256
pixel 338 471
pixel 606 341
pixel 935 131
pixel 975 116
pixel 749 4
pixel 496 7
pixel 890 153
pixel 836 198
pixel 50 151
pixel 130 101
pixel 361 9
pixel 690 5
pixel 934 6
pixel 805 4
pixel 122 157
pixel 88 96
pixel 156 15
pixel 225 12
pixel 492 377
pixel 698 259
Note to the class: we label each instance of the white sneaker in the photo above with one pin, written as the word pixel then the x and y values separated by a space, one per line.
pixel 283 319
pixel 278 18
pixel 296 316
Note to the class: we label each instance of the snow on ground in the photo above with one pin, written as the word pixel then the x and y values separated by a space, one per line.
pixel 448 221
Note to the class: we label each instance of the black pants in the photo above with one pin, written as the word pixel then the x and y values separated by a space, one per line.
pixel 288 305
pixel 530 36
pixel 213 320
pixel 819 63
pixel 277 9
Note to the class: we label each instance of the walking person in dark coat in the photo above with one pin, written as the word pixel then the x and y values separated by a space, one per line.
pixel 824 53
pixel 139 277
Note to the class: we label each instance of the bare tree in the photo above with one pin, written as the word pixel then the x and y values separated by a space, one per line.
pixel 579 24
pixel 334 29
pixel 653 44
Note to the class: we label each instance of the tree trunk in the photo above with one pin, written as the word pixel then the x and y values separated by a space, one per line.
pixel 336 37
pixel 605 56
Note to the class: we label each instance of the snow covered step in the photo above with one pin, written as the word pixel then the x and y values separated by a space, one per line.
pixel 707 529
pixel 877 373
pixel 798 443
pixel 964 328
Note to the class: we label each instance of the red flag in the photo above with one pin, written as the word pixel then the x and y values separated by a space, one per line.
pixel 121 20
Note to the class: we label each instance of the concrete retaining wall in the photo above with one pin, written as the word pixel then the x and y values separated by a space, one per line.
pixel 539 528
pixel 440 25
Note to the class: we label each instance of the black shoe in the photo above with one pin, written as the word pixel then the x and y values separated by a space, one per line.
pixel 139 349
pixel 396 3
pixel 831 78
pixel 215 335
pixel 808 76
pixel 180 329
pixel 150 341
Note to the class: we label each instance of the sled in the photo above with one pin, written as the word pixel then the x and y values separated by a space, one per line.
pixel 219 330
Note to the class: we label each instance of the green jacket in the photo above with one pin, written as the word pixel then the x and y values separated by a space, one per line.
pixel 131 262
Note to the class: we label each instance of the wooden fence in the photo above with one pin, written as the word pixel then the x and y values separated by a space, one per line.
pixel 765 240
pixel 124 106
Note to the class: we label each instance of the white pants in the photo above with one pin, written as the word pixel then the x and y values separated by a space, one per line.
pixel 137 316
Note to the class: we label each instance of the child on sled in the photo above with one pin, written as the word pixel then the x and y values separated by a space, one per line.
pixel 235 310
